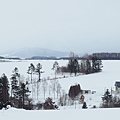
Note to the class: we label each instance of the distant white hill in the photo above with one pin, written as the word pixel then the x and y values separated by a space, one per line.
pixel 30 52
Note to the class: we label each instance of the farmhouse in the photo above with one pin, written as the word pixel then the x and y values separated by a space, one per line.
pixel 117 86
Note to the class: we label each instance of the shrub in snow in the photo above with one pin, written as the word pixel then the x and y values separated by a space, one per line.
pixel 84 105
pixel 49 104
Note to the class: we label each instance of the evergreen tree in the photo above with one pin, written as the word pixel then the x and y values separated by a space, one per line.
pixel 96 64
pixel 4 89
pixel 84 105
pixel 38 71
pixel 88 66
pixel 73 64
pixel 107 99
pixel 31 70
pixel 16 72
pixel 23 93
pixel 15 81
pixel 83 66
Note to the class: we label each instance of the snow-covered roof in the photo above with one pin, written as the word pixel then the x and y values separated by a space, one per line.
pixel 117 84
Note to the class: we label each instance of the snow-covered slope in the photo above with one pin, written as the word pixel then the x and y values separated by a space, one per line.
pixel 98 82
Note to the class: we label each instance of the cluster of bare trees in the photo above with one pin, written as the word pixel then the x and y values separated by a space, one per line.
pixel 44 85
pixel 46 88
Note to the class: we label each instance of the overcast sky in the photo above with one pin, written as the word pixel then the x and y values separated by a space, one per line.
pixel 81 26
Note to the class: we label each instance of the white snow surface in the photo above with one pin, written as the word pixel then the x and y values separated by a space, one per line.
pixel 87 114
pixel 98 82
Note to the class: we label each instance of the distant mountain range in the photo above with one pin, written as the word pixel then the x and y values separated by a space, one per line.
pixel 31 52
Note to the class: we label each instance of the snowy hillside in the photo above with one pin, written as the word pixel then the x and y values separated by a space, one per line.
pixel 98 82
pixel 30 52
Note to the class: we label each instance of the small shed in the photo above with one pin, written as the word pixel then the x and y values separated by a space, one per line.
pixel 86 91
pixel 117 86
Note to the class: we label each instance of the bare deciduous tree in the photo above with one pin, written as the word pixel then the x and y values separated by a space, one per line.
pixel 58 89
pixel 50 88
pixel 54 86
pixel 44 86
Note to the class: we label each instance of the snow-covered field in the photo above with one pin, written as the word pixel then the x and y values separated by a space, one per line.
pixel 98 82
pixel 94 114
